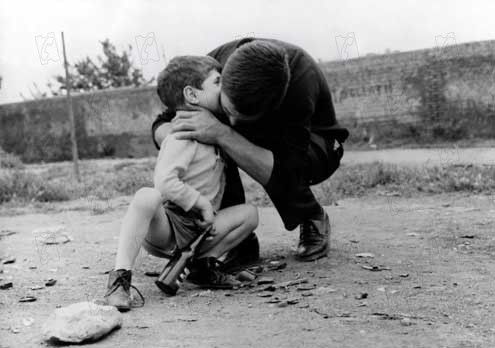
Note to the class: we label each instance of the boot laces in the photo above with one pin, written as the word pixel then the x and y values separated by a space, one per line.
pixel 122 281
pixel 308 231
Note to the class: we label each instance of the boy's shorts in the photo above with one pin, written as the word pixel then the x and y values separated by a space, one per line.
pixel 184 225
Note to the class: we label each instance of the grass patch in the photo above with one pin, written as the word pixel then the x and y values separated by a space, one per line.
pixel 9 161
pixel 109 179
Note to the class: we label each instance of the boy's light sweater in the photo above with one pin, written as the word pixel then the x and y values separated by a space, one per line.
pixel 186 169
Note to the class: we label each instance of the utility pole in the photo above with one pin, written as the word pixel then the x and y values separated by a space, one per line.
pixel 75 155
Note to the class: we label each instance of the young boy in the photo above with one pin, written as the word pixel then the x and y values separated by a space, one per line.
pixel 189 182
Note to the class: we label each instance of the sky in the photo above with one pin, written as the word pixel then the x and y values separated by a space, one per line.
pixel 31 49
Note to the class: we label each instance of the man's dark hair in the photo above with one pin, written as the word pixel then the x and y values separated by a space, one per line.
pixel 180 72
pixel 256 76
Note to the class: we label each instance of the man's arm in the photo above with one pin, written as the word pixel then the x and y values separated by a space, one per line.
pixel 202 126
pixel 254 160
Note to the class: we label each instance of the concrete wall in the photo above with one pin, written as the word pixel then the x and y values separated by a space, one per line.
pixel 448 93
pixel 108 123
pixel 432 94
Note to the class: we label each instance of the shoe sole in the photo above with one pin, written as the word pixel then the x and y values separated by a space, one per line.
pixel 315 256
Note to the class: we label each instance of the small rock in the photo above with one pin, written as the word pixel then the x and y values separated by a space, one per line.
pixel 413 234
pixel 406 322
pixel 15 329
pixel 32 267
pixel 375 268
pixel 293 301
pixel 9 260
pixel 83 321
pixel 361 296
pixel 324 290
pixel 277 265
pixel 468 236
pixel 365 255
pixel 393 291
pixel 37 287
pixel 85 267
pixel 382 289
pixel 6 285
pixel 306 287
pixel 50 282
pixel 27 299
pixel 28 321
pixel 6 233
pixel 404 275
pixel 306 294
pixel 265 280
pixel 245 276
pixel 265 294
pixel 151 273
pixel 205 293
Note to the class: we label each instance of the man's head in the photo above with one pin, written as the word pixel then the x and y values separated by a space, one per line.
pixel 254 81
pixel 190 81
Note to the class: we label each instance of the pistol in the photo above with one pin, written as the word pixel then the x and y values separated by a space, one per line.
pixel 176 270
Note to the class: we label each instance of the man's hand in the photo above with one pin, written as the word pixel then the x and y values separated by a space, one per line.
pixel 198 125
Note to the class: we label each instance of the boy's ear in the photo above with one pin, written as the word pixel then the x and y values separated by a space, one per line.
pixel 190 95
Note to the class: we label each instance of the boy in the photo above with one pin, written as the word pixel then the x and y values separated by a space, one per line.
pixel 189 183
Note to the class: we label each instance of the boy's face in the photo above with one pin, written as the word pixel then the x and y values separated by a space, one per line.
pixel 209 95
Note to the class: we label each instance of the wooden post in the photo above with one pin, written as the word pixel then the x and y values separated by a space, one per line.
pixel 75 155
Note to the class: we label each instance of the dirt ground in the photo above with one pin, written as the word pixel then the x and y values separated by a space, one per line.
pixel 432 285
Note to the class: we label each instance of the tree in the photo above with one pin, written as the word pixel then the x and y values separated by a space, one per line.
pixel 113 70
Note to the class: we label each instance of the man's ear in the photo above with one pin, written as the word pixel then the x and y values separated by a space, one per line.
pixel 190 95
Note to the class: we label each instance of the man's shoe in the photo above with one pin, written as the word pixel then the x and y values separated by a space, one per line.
pixel 118 289
pixel 243 255
pixel 314 239
pixel 206 274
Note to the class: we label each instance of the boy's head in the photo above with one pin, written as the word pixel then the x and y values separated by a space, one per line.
pixel 254 81
pixel 190 81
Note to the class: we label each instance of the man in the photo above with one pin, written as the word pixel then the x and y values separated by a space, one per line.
pixel 283 133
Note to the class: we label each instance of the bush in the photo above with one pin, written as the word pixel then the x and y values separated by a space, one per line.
pixel 21 185
pixel 10 161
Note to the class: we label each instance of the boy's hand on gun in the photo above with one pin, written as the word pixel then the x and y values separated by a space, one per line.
pixel 206 210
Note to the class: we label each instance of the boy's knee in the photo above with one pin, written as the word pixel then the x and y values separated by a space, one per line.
pixel 253 218
pixel 147 199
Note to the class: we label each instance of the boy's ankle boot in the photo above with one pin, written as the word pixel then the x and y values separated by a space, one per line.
pixel 206 274
pixel 118 289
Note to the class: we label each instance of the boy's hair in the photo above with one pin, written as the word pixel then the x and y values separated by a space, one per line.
pixel 256 76
pixel 180 72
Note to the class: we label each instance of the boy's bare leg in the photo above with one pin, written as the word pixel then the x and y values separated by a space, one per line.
pixel 232 226
pixel 144 215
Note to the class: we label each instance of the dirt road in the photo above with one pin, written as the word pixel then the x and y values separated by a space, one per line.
pixel 428 284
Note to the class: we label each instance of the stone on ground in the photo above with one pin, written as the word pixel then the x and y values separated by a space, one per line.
pixel 83 321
